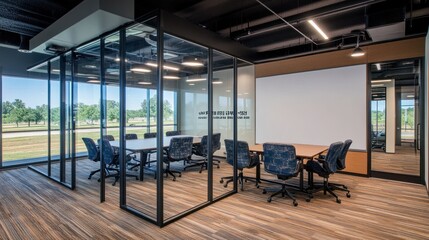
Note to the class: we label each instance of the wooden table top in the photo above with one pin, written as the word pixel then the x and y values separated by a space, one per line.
pixel 302 150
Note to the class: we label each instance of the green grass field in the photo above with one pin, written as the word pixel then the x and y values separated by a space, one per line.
pixel 24 147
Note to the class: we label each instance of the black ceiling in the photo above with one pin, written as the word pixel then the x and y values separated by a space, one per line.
pixel 252 24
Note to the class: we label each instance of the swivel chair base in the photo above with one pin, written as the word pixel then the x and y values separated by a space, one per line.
pixel 283 191
pixel 326 187
pixel 241 180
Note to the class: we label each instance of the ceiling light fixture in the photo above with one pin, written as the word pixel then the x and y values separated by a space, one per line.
pixel 410 96
pixel 377 85
pixel 24 46
pixel 144 83
pixel 312 23
pixel 196 80
pixel 217 82
pixel 192 61
pixel 171 77
pixel 357 52
pixel 378 66
pixel 139 68
pixel 381 81
pixel 168 67
pixel 94 81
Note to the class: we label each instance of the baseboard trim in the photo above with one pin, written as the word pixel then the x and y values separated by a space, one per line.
pixel 397 177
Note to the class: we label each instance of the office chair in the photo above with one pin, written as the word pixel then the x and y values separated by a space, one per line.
pixel 149 135
pixel 130 136
pixel 245 159
pixel 93 153
pixel 341 164
pixel 180 148
pixel 173 133
pixel 111 160
pixel 109 137
pixel 324 168
pixel 280 160
pixel 201 150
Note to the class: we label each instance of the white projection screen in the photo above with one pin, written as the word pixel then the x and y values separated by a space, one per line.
pixel 316 107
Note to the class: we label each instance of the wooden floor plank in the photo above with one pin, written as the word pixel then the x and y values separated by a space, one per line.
pixel 32 207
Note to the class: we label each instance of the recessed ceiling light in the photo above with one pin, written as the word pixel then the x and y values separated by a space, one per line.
pixel 139 69
pixel 55 70
pixel 90 66
pixel 144 83
pixel 318 29
pixel 381 81
pixel 196 80
pixel 410 96
pixel 217 82
pixel 377 85
pixel 94 81
pixel 228 90
pixel 92 77
pixel 168 67
pixel 191 84
pixel 171 77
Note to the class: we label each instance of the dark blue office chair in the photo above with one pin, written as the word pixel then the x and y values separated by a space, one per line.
pixel 324 168
pixel 202 150
pixel 280 159
pixel 173 133
pixel 341 164
pixel 245 159
pixel 149 135
pixel 130 136
pixel 93 153
pixel 111 160
pixel 180 149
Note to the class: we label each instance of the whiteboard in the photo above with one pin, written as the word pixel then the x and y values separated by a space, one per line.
pixel 315 107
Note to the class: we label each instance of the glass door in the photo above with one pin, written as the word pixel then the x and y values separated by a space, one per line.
pixel 395 120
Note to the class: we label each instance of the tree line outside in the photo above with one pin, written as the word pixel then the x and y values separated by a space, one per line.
pixel 17 113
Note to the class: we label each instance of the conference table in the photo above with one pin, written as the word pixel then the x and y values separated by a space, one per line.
pixel 303 151
pixel 146 145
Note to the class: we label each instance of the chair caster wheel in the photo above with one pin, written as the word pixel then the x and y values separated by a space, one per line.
pixel 99 180
pixel 218 166
pixel 269 200
pixel 308 199
pixel 338 200
pixel 221 181
pixel 89 177
pixel 225 185
pixel 245 180
pixel 174 179
pixel 345 187
pixel 348 195
pixel 295 203
pixel 257 186
pixel 264 191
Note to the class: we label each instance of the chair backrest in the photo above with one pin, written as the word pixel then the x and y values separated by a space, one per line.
pixel 93 152
pixel 180 148
pixel 130 136
pixel 341 162
pixel 202 148
pixel 243 154
pixel 109 137
pixel 150 135
pixel 332 157
pixel 216 141
pixel 280 159
pixel 108 153
pixel 173 133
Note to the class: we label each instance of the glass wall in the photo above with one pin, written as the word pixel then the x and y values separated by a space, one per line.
pixel 395 118
pixel 25 118
pixel 125 85
pixel 223 118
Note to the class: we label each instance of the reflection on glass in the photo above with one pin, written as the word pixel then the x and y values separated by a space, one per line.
pixel 141 111
pixel 191 110
pixel 395 119
pixel 246 102
pixel 223 117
